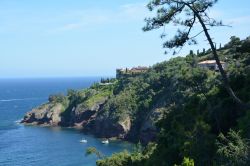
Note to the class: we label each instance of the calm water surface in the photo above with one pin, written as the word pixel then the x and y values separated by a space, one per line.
pixel 39 146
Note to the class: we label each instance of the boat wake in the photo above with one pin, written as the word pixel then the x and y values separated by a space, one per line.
pixel 18 121
pixel 10 100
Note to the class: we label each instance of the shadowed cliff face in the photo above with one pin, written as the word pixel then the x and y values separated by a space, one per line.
pixel 108 128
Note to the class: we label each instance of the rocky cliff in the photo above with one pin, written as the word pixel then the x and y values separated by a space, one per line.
pixel 105 110
pixel 46 114
pixel 91 119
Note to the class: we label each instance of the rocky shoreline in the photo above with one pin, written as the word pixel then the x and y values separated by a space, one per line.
pixel 89 120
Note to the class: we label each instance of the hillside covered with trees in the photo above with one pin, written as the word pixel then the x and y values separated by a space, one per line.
pixel 201 124
pixel 179 111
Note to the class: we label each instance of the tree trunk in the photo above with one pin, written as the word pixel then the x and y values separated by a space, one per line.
pixel 216 57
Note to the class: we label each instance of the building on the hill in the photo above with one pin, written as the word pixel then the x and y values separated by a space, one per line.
pixel 211 65
pixel 128 72
pixel 139 69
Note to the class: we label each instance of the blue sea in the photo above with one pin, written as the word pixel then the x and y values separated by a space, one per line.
pixel 43 146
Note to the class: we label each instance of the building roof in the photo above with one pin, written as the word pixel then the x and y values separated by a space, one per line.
pixel 140 68
pixel 210 62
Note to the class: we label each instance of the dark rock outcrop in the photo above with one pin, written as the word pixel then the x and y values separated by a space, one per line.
pixel 52 114
pixel 47 114
pixel 82 115
pixel 108 128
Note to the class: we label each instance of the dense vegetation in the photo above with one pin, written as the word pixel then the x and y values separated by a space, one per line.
pixel 200 123
pixel 196 120
pixel 85 98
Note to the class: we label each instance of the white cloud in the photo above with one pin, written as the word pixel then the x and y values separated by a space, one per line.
pixel 134 11
pixel 239 20
pixel 92 17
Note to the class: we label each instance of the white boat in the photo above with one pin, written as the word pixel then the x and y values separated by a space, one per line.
pixel 83 141
pixel 105 141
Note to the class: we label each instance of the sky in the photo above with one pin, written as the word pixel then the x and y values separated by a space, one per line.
pixel 80 38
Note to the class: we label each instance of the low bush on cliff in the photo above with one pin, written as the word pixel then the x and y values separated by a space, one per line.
pixel 102 92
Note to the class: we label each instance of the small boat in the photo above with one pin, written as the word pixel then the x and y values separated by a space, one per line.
pixel 83 141
pixel 105 141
